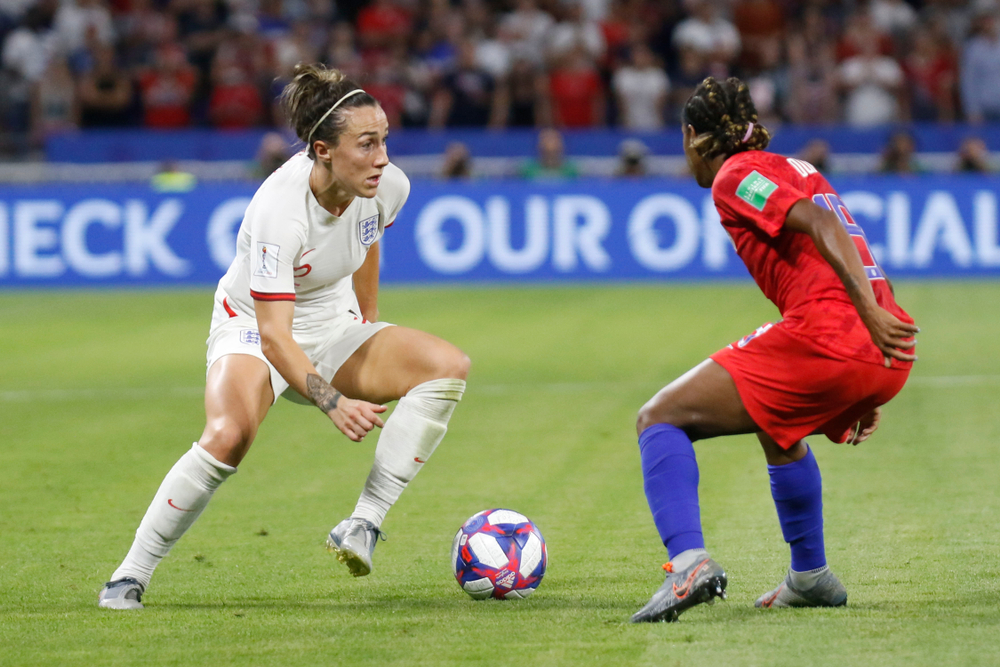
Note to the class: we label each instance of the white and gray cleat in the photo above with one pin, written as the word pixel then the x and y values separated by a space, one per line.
pixel 826 592
pixel 353 542
pixel 703 581
pixel 121 594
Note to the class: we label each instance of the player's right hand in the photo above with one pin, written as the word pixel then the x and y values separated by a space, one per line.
pixel 356 418
pixel 889 334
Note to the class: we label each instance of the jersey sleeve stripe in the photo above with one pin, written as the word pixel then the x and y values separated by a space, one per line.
pixel 280 296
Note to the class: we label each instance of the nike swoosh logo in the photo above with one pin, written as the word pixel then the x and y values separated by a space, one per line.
pixel 419 460
pixel 769 601
pixel 682 591
pixel 170 501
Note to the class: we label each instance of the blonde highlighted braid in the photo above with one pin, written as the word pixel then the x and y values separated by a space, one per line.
pixel 724 119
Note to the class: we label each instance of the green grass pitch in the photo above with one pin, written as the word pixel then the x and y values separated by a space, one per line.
pixel 100 392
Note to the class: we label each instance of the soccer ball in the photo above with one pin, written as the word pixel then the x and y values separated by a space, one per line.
pixel 500 554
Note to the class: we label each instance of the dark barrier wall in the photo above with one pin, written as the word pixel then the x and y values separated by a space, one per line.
pixel 138 145
pixel 488 231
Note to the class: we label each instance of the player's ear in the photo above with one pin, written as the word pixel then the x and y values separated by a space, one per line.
pixel 322 150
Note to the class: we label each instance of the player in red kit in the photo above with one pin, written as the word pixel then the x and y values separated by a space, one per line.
pixel 842 349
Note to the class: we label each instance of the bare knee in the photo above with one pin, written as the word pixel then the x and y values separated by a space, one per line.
pixel 656 412
pixel 227 440
pixel 452 363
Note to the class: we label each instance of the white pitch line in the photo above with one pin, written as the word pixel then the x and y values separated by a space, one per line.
pixel 144 393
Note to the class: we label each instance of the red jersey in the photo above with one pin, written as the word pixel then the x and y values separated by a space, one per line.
pixel 753 192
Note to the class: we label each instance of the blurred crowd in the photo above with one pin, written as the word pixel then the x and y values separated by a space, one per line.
pixel 496 63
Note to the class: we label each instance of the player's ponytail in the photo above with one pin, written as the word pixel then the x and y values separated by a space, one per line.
pixel 314 102
pixel 724 119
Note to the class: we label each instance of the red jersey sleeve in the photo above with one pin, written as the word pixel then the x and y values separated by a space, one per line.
pixel 750 193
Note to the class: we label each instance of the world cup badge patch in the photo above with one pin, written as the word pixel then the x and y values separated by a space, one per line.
pixel 368 230
pixel 266 260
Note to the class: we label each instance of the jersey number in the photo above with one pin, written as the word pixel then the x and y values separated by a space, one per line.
pixel 833 202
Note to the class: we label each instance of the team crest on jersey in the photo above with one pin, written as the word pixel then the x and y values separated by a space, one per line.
pixel 250 337
pixel 760 330
pixel 266 260
pixel 368 230
pixel 755 189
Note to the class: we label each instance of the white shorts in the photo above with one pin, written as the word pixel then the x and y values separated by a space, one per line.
pixel 328 352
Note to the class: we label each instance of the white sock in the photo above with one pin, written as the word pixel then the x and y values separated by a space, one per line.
pixel 182 496
pixel 410 436
pixel 686 559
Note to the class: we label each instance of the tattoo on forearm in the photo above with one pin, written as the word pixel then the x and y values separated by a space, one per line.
pixel 321 393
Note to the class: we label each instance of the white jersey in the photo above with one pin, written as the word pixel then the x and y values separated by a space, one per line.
pixel 290 248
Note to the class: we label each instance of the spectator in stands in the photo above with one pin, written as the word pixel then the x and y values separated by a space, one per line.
pixel 900 155
pixel 872 84
pixel 980 75
pixel 520 96
pixel 641 90
pixel 54 108
pixel 817 153
pixel 526 29
pixel 387 82
pixel 974 157
pixel 951 18
pixel 860 35
pixel 167 89
pixel 711 35
pixel 75 22
pixel 692 68
pixel 761 26
pixel 930 75
pixel 575 94
pixel 341 52
pixel 457 161
pixel 273 152
pixel 25 56
pixel 383 22
pixel 812 96
pixel 493 52
pixel 142 30
pixel 201 29
pixel 551 163
pixel 235 101
pixel 632 155
pixel 575 30
pixel 466 96
pixel 894 17
pixel 105 92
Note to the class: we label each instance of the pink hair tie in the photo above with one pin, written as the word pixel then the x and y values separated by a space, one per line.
pixel 746 137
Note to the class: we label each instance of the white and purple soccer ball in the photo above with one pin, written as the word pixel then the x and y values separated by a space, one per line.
pixel 500 554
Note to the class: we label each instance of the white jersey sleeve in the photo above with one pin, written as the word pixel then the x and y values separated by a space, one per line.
pixel 393 190
pixel 275 242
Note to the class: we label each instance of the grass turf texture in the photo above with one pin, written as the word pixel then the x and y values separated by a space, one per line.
pixel 100 393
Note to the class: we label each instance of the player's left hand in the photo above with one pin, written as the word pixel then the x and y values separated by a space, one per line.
pixel 865 427
pixel 889 333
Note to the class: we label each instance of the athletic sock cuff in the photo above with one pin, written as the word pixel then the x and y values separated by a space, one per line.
pixel 445 389
pixel 216 469
pixel 663 430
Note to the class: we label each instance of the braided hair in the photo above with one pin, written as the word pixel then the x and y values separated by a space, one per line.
pixel 310 94
pixel 721 115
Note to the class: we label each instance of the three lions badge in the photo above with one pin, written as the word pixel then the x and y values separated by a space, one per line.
pixel 368 230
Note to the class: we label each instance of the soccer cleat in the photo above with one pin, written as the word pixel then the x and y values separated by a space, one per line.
pixel 682 590
pixel 121 594
pixel 827 592
pixel 353 541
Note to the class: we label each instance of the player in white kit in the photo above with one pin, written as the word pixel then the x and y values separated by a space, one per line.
pixel 297 313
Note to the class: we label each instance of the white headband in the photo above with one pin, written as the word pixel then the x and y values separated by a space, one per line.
pixel 746 137
pixel 330 111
